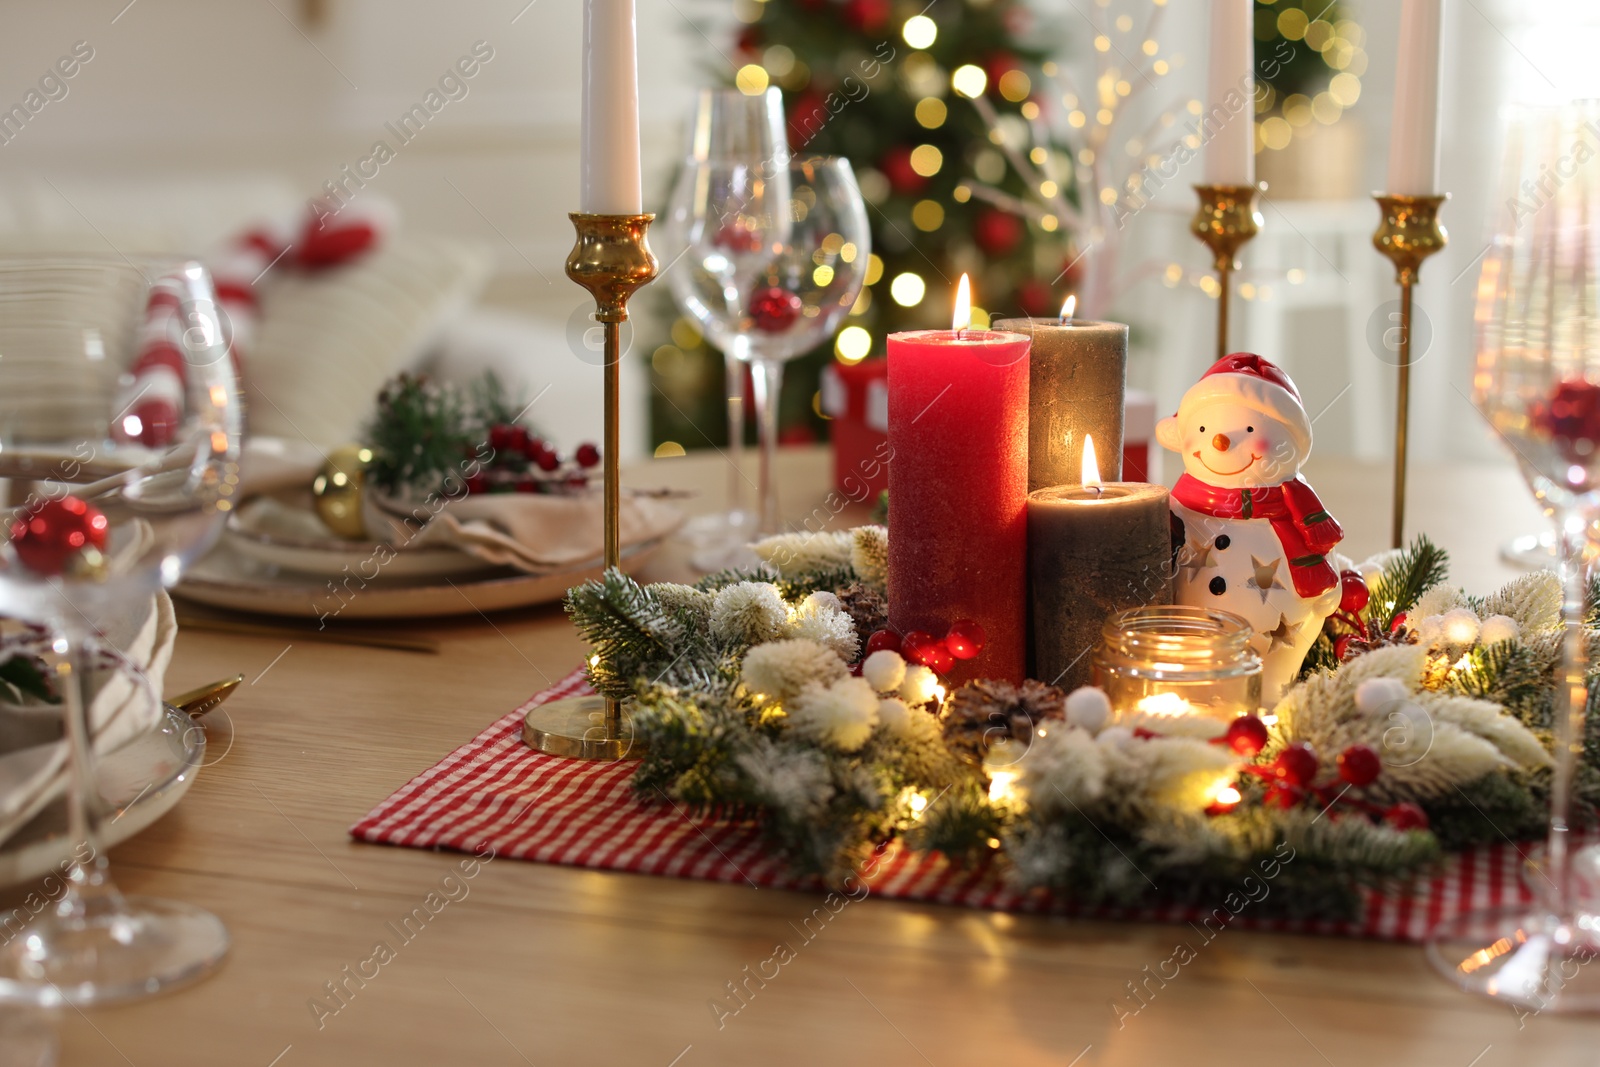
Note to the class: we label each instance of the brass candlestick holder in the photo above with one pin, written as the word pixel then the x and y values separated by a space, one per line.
pixel 1409 233
pixel 1226 219
pixel 611 259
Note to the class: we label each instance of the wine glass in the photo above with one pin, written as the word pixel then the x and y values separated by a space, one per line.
pixel 116 484
pixel 728 128
pixel 775 258
pixel 1537 382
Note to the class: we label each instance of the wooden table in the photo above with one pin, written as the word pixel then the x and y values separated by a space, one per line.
pixel 546 965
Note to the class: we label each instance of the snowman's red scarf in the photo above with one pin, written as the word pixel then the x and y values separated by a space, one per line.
pixel 1304 528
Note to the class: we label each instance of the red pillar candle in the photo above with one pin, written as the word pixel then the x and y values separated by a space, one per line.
pixel 958 490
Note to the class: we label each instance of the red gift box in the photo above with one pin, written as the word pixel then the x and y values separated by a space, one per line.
pixel 856 397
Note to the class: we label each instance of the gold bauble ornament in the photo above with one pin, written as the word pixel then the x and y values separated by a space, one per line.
pixel 337 490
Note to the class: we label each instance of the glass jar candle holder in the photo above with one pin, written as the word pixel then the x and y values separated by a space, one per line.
pixel 1170 660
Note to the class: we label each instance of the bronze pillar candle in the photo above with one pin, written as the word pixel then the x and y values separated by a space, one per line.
pixel 1092 550
pixel 1075 389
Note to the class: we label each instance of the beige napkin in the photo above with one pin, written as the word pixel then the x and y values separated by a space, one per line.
pixel 33 760
pixel 533 532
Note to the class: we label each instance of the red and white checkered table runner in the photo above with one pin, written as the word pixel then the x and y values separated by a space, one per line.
pixel 496 791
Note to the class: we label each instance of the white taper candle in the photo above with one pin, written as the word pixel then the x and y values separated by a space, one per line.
pixel 1414 136
pixel 610 171
pixel 1228 122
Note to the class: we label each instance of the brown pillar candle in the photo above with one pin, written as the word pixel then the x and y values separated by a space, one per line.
pixel 1075 389
pixel 1092 550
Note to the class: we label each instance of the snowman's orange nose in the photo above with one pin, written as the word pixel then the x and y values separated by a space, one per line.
pixel 1221 442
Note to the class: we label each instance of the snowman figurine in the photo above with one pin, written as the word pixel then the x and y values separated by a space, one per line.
pixel 1256 538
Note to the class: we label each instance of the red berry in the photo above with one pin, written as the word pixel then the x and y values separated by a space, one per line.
pixel 547 460
pixel 1247 735
pixel 527 484
pixel 1399 621
pixel 53 534
pixel 965 639
pixel 1353 592
pixel 883 639
pixel 937 658
pixel 588 455
pixel 1341 646
pixel 535 447
pixel 1282 797
pixel 1406 816
pixel 774 310
pixel 576 481
pixel 1297 764
pixel 519 440
pixel 477 483
pixel 917 645
pixel 1359 765
pixel 501 438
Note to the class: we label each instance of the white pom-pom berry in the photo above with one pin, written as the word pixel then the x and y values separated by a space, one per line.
pixel 1498 628
pixel 842 714
pixel 885 669
pixel 1461 626
pixel 919 685
pixel 1089 708
pixel 1376 696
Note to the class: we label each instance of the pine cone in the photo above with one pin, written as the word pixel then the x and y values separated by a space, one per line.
pixel 985 711
pixel 867 609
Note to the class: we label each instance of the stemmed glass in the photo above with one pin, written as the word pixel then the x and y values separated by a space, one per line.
pixel 114 488
pixel 728 128
pixel 1538 383
pixel 774 258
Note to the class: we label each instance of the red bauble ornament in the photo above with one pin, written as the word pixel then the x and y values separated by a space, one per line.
pixel 1037 298
pixel 1353 592
pixel 1571 418
pixel 1359 765
pixel 588 455
pixel 807 115
pixel 1247 735
pixel 737 237
pixel 1406 816
pixel 965 639
pixel 999 65
pixel 996 232
pixel 774 310
pixel 881 640
pixel 896 166
pixel 55 533
pixel 867 16
pixel 1297 764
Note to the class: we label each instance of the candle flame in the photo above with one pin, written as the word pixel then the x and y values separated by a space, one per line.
pixel 962 319
pixel 1091 466
pixel 1067 308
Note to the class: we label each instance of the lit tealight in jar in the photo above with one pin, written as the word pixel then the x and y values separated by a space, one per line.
pixel 1167 661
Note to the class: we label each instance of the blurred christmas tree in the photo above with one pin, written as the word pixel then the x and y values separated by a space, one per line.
pixel 882 83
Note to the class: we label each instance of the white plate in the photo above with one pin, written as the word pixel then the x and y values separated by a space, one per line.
pixel 278 532
pixel 224 579
pixel 140 782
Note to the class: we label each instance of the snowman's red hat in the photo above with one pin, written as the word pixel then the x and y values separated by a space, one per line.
pixel 1254 382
